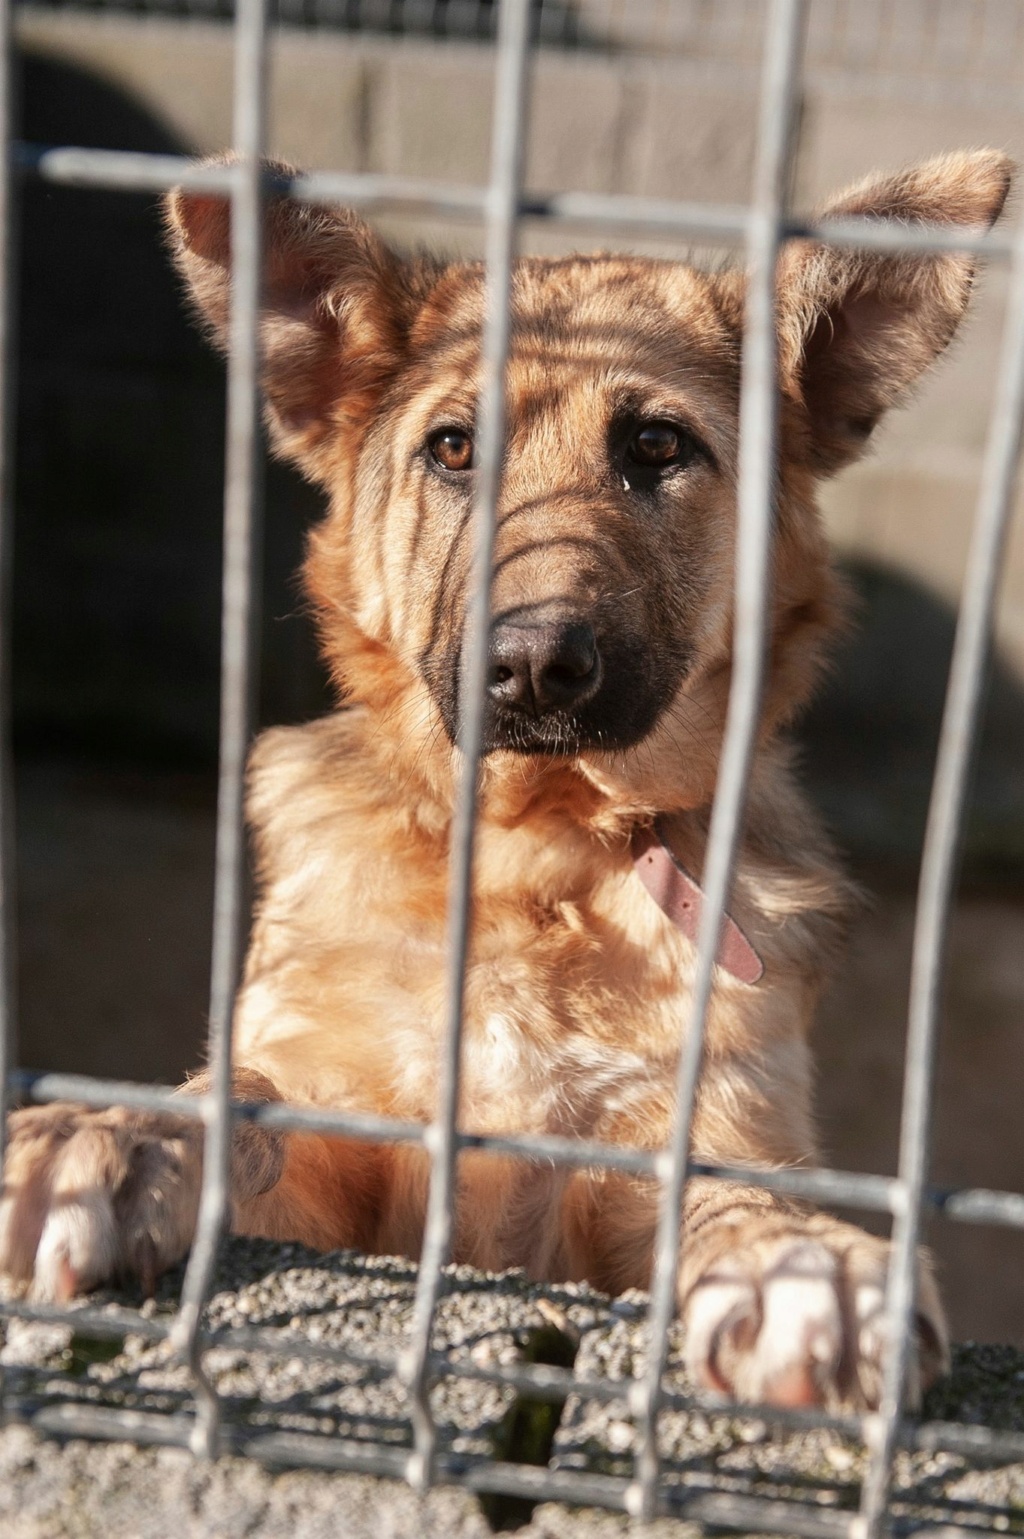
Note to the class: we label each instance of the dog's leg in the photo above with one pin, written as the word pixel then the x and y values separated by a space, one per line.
pixel 784 1305
pixel 89 1196
pixel 780 1304
pixel 330 1193
pixel 92 1195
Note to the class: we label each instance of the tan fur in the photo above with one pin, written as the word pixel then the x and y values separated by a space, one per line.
pixel 577 989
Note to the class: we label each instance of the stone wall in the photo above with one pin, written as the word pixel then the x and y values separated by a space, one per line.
pixel 284 1411
pixel 671 127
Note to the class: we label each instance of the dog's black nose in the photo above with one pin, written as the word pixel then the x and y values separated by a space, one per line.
pixel 543 668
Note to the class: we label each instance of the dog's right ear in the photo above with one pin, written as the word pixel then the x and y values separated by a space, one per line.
pixel 857 329
pixel 333 311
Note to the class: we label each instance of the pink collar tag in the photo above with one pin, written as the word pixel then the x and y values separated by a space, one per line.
pixel 681 899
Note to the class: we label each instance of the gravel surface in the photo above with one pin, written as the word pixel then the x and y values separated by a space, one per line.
pixel 78 1490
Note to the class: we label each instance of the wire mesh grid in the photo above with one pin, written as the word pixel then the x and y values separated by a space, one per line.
pixel 762 227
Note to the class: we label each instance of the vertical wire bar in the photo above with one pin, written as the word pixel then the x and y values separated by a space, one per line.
pixel 938 869
pixel 507 150
pixel 8 982
pixel 8 1033
pixel 756 495
pixel 242 507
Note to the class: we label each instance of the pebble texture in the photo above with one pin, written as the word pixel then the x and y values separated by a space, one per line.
pixel 78 1490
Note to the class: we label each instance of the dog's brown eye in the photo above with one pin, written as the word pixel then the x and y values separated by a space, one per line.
pixel 452 449
pixel 657 445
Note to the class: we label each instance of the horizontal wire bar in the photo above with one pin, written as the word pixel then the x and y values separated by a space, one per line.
pixel 978 1206
pixel 87 1320
pixel 852 1189
pixel 537 1381
pixel 539 1482
pixel 100 1093
pixel 563 1151
pixel 279 1114
pixel 124 170
pixel 306 1450
pixel 867 234
pixel 766 1514
pixel 965 1438
pixel 114 1424
pixel 132 171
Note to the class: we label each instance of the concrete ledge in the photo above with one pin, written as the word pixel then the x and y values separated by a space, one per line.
pixel 52 1490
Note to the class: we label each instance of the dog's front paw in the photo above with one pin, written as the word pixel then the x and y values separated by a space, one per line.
pixel 794 1316
pixel 90 1196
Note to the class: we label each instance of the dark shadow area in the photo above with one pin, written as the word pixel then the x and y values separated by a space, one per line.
pixel 120 472
pixel 117 570
pixel 870 738
pixel 869 750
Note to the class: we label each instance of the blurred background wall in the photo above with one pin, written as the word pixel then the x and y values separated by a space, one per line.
pixel 119 481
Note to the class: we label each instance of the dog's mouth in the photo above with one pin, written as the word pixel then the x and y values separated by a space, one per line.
pixel 559 688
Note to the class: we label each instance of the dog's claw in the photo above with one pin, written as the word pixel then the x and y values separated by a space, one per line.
pixel 80 1184
pixel 792 1320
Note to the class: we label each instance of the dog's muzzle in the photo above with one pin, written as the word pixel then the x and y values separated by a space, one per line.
pixel 544 669
pixel 560 681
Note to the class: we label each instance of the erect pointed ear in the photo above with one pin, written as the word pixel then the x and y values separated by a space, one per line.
pixel 333 312
pixel 856 329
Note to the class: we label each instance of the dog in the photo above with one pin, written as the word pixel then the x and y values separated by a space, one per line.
pixel 609 672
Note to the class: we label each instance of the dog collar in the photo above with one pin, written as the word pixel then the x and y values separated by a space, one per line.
pixel 681 899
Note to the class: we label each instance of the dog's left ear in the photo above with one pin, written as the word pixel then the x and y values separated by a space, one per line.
pixel 856 329
pixel 333 314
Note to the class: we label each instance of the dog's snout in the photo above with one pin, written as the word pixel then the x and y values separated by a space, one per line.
pixel 543 668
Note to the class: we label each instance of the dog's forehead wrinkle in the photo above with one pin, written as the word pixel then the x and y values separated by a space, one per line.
pixel 522 498
pixel 578 304
pixel 562 542
pixel 444 598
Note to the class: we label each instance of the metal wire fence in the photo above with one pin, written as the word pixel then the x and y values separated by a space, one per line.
pixel 761 227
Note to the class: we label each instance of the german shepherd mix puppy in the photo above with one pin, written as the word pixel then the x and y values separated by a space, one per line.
pixel 610 667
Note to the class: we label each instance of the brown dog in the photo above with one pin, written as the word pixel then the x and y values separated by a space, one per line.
pixel 610 671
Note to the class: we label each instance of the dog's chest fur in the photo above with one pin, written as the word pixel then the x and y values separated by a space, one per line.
pixel 578 990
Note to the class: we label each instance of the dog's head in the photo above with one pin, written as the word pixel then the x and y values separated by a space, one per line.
pixel 612 587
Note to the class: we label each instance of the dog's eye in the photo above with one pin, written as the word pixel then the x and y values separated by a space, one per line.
pixel 659 445
pixel 452 449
